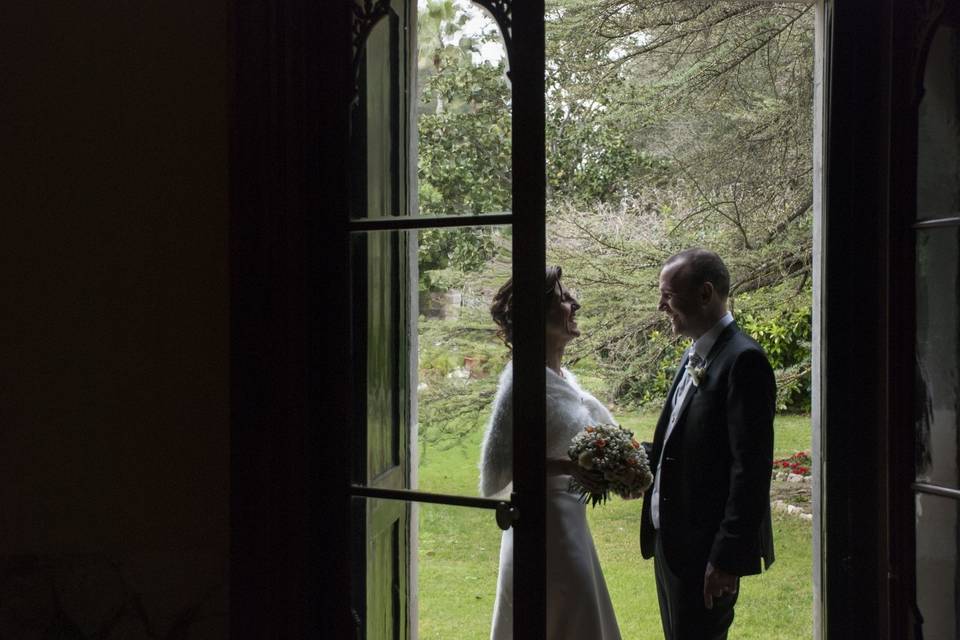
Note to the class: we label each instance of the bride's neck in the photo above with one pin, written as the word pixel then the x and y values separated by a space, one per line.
pixel 554 358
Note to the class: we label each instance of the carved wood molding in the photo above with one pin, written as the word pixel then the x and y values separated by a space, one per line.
pixel 927 18
pixel 502 12
pixel 366 15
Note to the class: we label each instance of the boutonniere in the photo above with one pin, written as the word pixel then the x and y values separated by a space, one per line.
pixel 695 373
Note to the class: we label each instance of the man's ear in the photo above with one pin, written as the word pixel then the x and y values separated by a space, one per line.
pixel 706 292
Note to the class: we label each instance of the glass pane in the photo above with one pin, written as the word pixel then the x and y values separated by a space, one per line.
pixel 382 552
pixel 937 576
pixel 463 111
pixel 440 579
pixel 938 355
pixel 459 557
pixel 437 311
pixel 460 356
pixel 938 165
pixel 380 136
pixel 382 304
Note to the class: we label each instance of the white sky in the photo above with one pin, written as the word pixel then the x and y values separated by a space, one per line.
pixel 480 23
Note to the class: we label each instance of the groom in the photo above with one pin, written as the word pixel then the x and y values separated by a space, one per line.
pixel 706 519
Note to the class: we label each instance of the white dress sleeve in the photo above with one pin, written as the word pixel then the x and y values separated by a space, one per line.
pixel 496 452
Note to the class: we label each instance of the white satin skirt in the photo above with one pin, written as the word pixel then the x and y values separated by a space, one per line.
pixel 578 604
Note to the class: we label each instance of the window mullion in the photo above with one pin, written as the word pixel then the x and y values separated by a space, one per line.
pixel 529 247
pixel 390 223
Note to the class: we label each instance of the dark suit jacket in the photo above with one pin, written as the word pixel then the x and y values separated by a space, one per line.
pixel 715 482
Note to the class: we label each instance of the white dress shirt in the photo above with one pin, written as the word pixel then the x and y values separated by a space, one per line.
pixel 701 346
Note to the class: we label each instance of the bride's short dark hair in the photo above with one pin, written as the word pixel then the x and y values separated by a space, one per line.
pixel 502 307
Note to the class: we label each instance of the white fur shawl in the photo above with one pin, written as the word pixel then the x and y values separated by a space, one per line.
pixel 569 410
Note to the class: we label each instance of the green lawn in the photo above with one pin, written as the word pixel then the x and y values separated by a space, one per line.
pixel 791 431
pixel 458 555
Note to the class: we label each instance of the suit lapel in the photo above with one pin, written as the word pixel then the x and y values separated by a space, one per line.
pixel 715 351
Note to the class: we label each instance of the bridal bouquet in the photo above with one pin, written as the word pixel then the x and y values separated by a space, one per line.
pixel 612 452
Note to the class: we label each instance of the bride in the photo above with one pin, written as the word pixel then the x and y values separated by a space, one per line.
pixel 578 604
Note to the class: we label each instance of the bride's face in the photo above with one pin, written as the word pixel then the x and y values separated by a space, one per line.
pixel 561 316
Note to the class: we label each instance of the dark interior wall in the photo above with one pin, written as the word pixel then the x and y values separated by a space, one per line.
pixel 114 407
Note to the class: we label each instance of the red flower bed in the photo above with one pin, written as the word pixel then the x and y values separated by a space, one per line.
pixel 799 463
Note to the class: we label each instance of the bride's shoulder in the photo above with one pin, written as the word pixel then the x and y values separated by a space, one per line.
pixel 569 377
pixel 586 397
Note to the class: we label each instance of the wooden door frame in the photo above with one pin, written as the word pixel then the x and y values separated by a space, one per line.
pixel 877 49
pixel 854 367
pixel 290 573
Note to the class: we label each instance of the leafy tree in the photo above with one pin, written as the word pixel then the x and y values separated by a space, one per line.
pixel 464 139
pixel 670 124
pixel 719 96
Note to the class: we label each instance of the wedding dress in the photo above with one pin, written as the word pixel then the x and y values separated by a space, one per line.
pixel 578 604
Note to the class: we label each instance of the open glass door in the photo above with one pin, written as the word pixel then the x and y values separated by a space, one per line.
pixel 937 272
pixel 387 227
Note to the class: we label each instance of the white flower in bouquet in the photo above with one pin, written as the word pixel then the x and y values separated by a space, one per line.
pixel 615 455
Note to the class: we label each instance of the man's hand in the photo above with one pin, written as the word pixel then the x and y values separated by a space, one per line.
pixel 717 583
